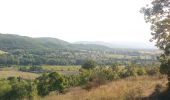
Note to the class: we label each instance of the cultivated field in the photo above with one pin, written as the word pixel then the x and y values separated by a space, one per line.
pixel 15 73
pixel 61 68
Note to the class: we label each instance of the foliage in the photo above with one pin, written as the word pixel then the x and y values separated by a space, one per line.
pixel 158 15
pixel 50 82
pixel 5 88
pixel 141 71
pixel 31 68
pixel 19 50
pixel 89 64
pixel 132 88
pixel 16 89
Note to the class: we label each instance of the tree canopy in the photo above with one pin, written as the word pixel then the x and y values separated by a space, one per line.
pixel 89 64
pixel 158 15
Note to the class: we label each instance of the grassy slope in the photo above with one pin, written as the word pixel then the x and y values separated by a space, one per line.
pixel 124 89
pixel 12 42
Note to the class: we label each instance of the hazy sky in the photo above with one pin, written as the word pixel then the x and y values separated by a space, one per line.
pixel 75 20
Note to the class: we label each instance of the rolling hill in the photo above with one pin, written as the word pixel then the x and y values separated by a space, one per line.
pixel 22 50
pixel 10 41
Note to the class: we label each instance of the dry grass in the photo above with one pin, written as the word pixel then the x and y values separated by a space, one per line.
pixel 15 73
pixel 124 89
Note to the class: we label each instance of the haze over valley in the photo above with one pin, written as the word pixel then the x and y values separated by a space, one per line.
pixel 84 49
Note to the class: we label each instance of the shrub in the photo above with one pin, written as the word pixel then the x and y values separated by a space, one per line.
pixel 5 88
pixel 50 82
pixel 153 71
pixel 89 64
pixel 141 71
pixel 16 89
pixel 130 71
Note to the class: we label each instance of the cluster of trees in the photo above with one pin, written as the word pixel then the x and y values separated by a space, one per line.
pixel 17 88
pixel 37 51
pixel 63 58
pixel 89 77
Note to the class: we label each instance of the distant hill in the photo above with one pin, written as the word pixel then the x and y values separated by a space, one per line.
pixel 10 41
pixel 22 50
pixel 127 45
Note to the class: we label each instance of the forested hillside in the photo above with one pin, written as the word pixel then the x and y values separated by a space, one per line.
pixel 9 41
pixel 21 50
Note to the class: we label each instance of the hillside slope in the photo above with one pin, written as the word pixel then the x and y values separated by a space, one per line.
pixel 133 88
pixel 10 41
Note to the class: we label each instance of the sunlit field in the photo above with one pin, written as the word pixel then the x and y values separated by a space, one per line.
pixel 15 73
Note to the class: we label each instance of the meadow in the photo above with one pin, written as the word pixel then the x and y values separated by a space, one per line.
pixel 14 71
pixel 61 68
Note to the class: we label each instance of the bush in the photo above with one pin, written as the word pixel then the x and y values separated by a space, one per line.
pixel 16 89
pixel 153 71
pixel 50 82
pixel 130 71
pixel 89 64
pixel 72 80
pixel 5 88
pixel 141 71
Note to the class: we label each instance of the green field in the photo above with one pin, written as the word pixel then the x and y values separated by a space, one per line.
pixel 14 71
pixel 61 68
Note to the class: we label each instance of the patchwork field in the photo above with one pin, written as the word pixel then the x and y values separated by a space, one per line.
pixel 15 73
pixel 61 68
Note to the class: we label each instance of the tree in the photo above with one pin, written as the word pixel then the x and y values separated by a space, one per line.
pixel 158 15
pixel 50 82
pixel 89 64
pixel 56 82
pixel 115 66
pixel 43 85
pixel 17 89
pixel 5 88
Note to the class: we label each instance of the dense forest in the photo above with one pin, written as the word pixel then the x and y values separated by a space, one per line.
pixel 21 50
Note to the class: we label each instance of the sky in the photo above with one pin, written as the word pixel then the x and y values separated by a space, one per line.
pixel 76 20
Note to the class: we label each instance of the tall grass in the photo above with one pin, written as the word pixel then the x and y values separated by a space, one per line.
pixel 133 88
